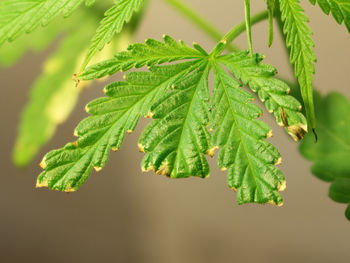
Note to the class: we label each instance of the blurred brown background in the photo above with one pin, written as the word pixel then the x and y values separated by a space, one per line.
pixel 122 215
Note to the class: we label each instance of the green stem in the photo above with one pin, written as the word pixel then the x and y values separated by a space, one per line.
pixel 248 25
pixel 198 20
pixel 236 31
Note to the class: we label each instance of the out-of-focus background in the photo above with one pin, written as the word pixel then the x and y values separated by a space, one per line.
pixel 122 215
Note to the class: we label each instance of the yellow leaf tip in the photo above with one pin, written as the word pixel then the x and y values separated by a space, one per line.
pixel 141 147
pixel 211 151
pixel 269 134
pixel 43 163
pixel 282 186
pixel 97 168
pixel 41 184
pixel 278 161
pixel 149 114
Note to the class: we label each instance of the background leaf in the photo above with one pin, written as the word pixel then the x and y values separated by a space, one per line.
pixel 340 10
pixel 331 154
pixel 112 24
pixel 23 16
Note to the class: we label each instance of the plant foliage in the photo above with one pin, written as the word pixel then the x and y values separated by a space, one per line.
pixel 190 120
pixel 20 16
pixel 298 40
pixel 177 97
pixel 340 10
pixel 330 155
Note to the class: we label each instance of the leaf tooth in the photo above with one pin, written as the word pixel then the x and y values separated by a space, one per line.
pixel 163 169
pixel 141 148
pixel 97 168
pixel 278 161
pixel 211 151
pixel 40 184
pixel 43 163
pixel 149 115
pixel 114 149
pixel 269 134
pixel 272 202
pixel 282 186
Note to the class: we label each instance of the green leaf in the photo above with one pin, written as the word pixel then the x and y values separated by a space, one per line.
pixel 36 41
pixel 274 92
pixel 53 95
pixel 248 158
pixel 340 10
pixel 331 155
pixel 23 16
pixel 298 40
pixel 112 24
pixel 177 97
pixel 177 141
pixel 139 55
pixel 67 168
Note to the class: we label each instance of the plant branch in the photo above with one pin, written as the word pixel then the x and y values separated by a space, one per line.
pixel 199 21
pixel 236 31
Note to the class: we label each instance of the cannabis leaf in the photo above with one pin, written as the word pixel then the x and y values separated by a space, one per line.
pixel 113 23
pixel 177 97
pixel 23 16
pixel 299 41
pixel 177 140
pixel 340 10
pixel 331 155
pixel 53 94
pixel 274 92
pixel 148 54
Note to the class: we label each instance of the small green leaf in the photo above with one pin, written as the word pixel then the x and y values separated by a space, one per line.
pixel 299 41
pixel 331 155
pixel 340 10
pixel 111 24
pixel 248 158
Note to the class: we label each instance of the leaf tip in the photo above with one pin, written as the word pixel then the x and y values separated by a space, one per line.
pixel 211 151
pixel 141 148
pixel 97 168
pixel 149 115
pixel 40 184
pixel 43 163
pixel 269 134
pixel 282 186
pixel 278 161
